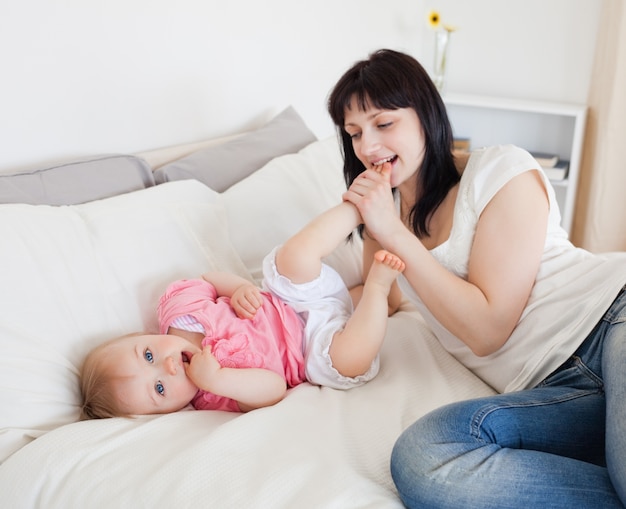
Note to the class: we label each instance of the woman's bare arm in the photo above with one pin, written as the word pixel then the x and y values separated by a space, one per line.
pixel 503 265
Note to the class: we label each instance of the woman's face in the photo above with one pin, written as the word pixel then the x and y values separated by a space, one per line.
pixel 386 135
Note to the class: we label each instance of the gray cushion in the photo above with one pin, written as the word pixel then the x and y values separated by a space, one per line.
pixel 77 181
pixel 221 166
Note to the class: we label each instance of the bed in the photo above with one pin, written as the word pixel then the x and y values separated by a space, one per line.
pixel 89 245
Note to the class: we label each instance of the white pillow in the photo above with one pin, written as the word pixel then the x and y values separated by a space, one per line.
pixel 273 203
pixel 73 276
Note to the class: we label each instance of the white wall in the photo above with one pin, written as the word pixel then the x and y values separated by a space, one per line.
pixel 94 76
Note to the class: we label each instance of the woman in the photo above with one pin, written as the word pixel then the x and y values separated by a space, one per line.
pixel 504 291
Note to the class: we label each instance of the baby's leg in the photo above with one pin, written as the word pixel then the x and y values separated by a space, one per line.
pixel 300 257
pixel 355 347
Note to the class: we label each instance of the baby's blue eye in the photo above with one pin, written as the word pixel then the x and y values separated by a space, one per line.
pixel 147 354
pixel 159 388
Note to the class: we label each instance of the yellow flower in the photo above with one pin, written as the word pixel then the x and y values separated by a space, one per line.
pixel 434 21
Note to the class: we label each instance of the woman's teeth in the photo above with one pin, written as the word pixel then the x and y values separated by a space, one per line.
pixel 383 161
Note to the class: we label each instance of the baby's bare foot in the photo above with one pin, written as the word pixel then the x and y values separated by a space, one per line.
pixel 385 268
pixel 390 260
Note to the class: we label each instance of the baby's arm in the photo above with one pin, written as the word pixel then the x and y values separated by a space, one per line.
pixel 250 387
pixel 245 297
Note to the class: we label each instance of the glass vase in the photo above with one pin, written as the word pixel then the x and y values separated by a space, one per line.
pixel 442 40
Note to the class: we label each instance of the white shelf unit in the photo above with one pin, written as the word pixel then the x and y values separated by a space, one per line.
pixel 536 126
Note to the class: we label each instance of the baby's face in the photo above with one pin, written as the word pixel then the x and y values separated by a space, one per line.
pixel 153 370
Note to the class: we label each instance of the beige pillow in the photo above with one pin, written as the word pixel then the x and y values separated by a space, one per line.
pixel 222 165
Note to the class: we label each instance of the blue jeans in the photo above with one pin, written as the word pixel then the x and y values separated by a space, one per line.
pixel 560 444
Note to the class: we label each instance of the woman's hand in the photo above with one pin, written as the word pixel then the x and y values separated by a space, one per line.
pixel 246 300
pixel 371 193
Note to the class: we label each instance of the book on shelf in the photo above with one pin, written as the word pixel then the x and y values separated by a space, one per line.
pixel 545 159
pixel 558 171
pixel 461 144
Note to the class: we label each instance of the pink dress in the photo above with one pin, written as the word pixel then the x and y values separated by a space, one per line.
pixel 272 340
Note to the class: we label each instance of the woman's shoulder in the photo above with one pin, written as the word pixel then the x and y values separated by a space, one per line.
pixel 501 160
pixel 501 155
pixel 489 168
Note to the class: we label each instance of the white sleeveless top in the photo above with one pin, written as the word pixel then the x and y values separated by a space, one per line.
pixel 572 291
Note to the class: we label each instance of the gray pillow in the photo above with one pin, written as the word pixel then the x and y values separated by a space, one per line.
pixel 77 181
pixel 221 166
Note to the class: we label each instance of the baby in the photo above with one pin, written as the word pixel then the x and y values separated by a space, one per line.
pixel 225 344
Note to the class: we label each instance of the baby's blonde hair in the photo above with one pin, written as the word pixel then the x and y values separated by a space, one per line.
pixel 97 381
